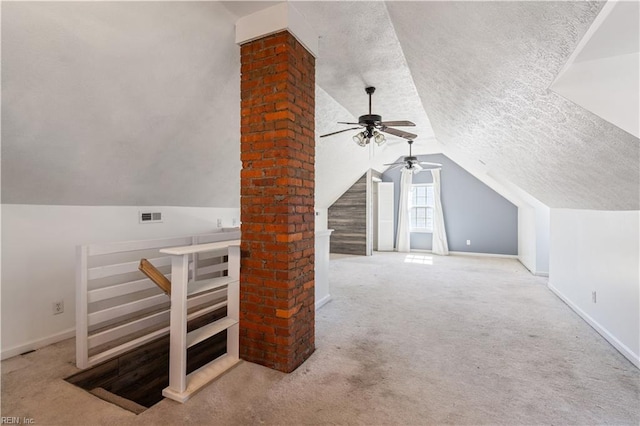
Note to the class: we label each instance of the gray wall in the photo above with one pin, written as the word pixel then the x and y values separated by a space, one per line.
pixel 120 103
pixel 472 211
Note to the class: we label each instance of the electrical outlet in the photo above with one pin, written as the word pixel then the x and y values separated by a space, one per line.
pixel 468 242
pixel 58 307
pixel 593 297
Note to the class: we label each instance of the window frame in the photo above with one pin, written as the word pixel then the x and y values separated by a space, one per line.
pixel 427 206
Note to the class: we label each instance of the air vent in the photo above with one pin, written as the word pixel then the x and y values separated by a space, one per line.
pixel 150 217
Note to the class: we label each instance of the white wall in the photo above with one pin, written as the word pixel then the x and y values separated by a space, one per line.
pixel 599 251
pixel 527 237
pixel 322 292
pixel 321 219
pixel 543 233
pixel 533 236
pixel 607 87
pixel 38 259
pixel 601 74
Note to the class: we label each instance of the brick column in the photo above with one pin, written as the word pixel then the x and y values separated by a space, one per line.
pixel 277 304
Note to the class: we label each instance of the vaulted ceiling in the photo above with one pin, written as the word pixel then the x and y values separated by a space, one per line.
pixel 473 76
pixel 476 75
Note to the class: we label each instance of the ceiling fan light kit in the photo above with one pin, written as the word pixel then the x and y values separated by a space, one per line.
pixel 379 138
pixel 364 137
pixel 360 139
pixel 373 127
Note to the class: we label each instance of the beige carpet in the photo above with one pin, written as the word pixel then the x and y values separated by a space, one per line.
pixel 416 339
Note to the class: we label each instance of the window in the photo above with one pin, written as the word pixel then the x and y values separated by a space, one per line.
pixel 421 207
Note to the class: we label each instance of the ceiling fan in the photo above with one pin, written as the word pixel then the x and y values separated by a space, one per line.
pixel 373 125
pixel 411 163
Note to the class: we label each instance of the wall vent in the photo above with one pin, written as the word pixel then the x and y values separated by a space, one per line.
pixel 150 217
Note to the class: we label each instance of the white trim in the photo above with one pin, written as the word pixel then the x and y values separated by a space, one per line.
pixel 38 343
pixel 621 347
pixel 541 274
pixel 199 248
pixel 320 303
pixel 468 253
pixel 282 16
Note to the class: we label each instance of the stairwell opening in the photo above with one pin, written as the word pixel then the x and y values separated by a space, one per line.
pixel 135 379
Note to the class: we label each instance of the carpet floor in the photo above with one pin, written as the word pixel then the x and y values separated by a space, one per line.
pixel 406 339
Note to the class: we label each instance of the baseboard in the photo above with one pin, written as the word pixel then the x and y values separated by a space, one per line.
pixel 37 344
pixel 320 303
pixel 536 273
pixel 620 347
pixel 468 253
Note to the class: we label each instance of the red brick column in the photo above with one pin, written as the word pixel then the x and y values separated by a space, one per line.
pixel 277 304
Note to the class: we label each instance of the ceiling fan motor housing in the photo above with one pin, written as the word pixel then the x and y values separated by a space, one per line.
pixel 370 119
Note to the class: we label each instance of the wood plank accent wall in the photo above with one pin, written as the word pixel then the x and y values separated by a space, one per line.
pixel 348 218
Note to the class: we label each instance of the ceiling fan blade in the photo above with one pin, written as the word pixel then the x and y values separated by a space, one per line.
pixel 397 123
pixel 394 164
pixel 346 122
pixel 426 163
pixel 399 133
pixel 339 131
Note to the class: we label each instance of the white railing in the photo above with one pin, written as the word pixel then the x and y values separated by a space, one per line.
pixel 182 386
pixel 118 309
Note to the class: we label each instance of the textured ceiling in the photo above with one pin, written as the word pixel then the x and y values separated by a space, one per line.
pixel 482 71
pixel 477 75
pixel 358 47
pixel 83 105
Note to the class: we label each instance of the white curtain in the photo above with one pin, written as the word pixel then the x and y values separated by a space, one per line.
pixel 403 239
pixel 439 245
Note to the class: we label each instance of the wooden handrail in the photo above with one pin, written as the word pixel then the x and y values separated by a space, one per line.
pixel 155 275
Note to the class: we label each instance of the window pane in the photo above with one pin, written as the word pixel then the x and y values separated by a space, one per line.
pixel 421 197
pixel 429 219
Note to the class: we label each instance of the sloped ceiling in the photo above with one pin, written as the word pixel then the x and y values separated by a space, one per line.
pixel 120 103
pixel 474 74
pixel 602 73
pixel 482 71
